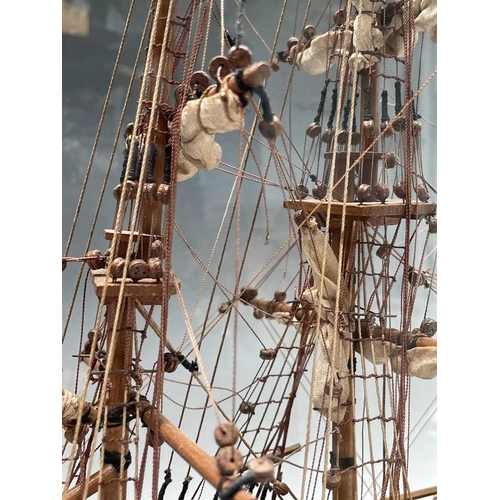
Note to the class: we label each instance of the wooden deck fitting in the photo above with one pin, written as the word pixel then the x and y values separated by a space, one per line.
pixel 147 291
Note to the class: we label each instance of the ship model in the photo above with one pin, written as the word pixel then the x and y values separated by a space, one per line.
pixel 259 314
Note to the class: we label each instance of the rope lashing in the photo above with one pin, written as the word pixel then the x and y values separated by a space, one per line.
pixel 399 105
pixel 153 152
pixel 247 478
pixel 267 487
pixel 132 174
pixel 167 164
pixel 322 101
pixel 385 109
pixel 230 40
pixel 344 462
pixel 314 129
pixel 166 482
pixel 185 486
pixel 114 458
pixel 136 163
pixel 354 113
pixel 334 107
pixel 191 366
pixel 385 119
pixel 146 409
pixel 267 114
pixel 368 103
pixel 115 417
pixel 368 125
pixel 352 367
pixel 238 75
pixel 345 120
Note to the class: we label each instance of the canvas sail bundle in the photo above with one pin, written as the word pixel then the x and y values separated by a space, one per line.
pixel 318 56
pixel 70 410
pixel 201 120
pixel 378 32
pixel 332 364
pixel 422 361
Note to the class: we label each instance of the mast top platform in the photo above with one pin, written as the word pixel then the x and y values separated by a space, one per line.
pixel 376 213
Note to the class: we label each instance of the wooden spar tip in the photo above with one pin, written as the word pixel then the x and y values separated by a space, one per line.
pixel 274 308
pixel 417 338
pixel 237 74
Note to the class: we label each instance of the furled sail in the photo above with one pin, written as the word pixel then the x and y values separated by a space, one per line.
pixel 332 364
pixel 422 360
pixel 220 109
pixel 70 411
pixel 379 29
pixel 319 54
pixel 201 120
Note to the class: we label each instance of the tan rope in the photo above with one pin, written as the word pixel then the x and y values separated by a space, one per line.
pixel 206 37
pixel 121 210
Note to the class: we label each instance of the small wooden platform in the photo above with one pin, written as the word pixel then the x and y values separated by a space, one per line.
pixel 376 213
pixel 125 235
pixel 147 291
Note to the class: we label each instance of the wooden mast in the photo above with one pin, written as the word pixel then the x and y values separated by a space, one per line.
pixel 146 292
pixel 343 444
pixel 152 212
pixel 114 443
pixel 114 438
pixel 368 174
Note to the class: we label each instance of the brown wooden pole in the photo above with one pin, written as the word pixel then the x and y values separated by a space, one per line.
pixel 392 334
pixel 346 449
pixel 252 76
pixel 346 446
pixel 415 495
pixel 108 474
pixel 152 212
pixel 113 441
pixel 184 446
pixel 271 306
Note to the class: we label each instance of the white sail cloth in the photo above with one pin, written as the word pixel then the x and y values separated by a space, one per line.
pixel 422 361
pixel 426 18
pixel 201 120
pixel 318 57
pixel 70 405
pixel 331 373
pixel 389 41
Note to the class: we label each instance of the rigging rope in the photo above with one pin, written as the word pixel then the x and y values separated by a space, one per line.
pixel 239 22
pixel 278 159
